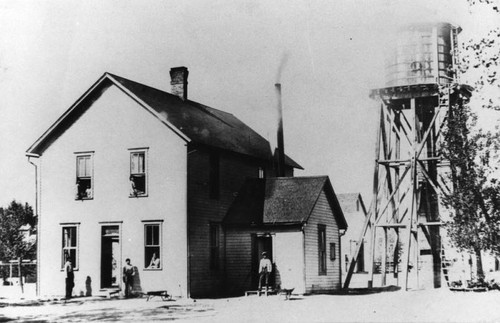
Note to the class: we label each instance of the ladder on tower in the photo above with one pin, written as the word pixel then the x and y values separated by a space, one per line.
pixel 445 267
pixel 444 103
pixel 444 96
pixel 455 53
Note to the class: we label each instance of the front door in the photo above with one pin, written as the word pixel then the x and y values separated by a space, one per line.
pixel 110 256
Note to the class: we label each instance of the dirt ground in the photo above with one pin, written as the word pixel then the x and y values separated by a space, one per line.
pixel 414 306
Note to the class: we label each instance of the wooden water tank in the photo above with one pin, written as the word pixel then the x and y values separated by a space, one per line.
pixel 422 54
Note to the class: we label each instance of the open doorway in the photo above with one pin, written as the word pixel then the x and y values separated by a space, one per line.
pixel 261 243
pixel 110 256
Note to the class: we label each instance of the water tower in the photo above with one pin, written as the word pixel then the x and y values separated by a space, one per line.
pixel 409 175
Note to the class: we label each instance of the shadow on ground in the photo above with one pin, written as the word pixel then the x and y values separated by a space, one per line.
pixel 366 291
pixel 166 312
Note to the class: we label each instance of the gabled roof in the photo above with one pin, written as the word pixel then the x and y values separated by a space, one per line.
pixel 348 202
pixel 281 201
pixel 192 121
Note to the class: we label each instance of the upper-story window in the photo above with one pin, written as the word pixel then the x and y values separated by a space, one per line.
pixel 214 240
pixel 84 176
pixel 138 172
pixel 262 172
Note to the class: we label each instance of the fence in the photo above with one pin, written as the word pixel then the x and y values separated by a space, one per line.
pixel 9 272
pixel 389 267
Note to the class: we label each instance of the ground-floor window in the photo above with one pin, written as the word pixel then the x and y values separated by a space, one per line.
pixel 333 253
pixel 322 249
pixel 214 246
pixel 70 244
pixel 152 246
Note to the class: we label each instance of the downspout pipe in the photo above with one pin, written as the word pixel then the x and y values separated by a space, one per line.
pixel 30 156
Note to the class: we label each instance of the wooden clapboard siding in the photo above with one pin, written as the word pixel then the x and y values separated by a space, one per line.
pixel 238 261
pixel 202 210
pixel 322 214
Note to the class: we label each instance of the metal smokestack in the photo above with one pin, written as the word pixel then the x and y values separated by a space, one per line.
pixel 281 141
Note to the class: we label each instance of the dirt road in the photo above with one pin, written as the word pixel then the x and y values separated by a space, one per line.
pixel 416 306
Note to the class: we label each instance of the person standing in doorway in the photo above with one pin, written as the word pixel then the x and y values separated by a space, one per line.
pixel 265 268
pixel 70 276
pixel 128 277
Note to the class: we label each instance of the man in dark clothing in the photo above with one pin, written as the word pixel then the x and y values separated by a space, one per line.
pixel 70 277
pixel 128 277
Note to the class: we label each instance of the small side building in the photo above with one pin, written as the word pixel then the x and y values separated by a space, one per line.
pixel 355 213
pixel 298 222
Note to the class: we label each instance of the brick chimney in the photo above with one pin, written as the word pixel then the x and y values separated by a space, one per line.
pixel 179 81
pixel 281 142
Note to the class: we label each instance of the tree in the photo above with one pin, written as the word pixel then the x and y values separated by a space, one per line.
pixel 474 203
pixel 13 243
pixel 480 61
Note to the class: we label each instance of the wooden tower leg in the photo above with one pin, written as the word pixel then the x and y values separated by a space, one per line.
pixel 375 198
pixel 371 261
pixel 416 258
pixel 396 258
pixel 384 258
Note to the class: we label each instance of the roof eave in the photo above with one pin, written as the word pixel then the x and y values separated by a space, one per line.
pixel 33 149
pixel 292 223
pixel 338 213
pixel 313 205
pixel 264 226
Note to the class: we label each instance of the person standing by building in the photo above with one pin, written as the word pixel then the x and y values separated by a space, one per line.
pixel 70 276
pixel 128 277
pixel 265 268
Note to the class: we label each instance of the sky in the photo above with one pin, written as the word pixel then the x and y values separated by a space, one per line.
pixel 326 54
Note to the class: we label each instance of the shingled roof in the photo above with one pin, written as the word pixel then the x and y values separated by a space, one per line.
pixel 193 121
pixel 348 202
pixel 281 201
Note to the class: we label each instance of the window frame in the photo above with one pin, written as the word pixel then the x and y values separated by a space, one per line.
pixel 144 174
pixel 76 227
pixel 214 245
pixel 322 250
pixel 159 224
pixel 333 251
pixel 89 177
pixel 262 172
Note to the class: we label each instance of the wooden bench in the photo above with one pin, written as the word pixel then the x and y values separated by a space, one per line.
pixel 161 293
pixel 108 293
pixel 260 292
